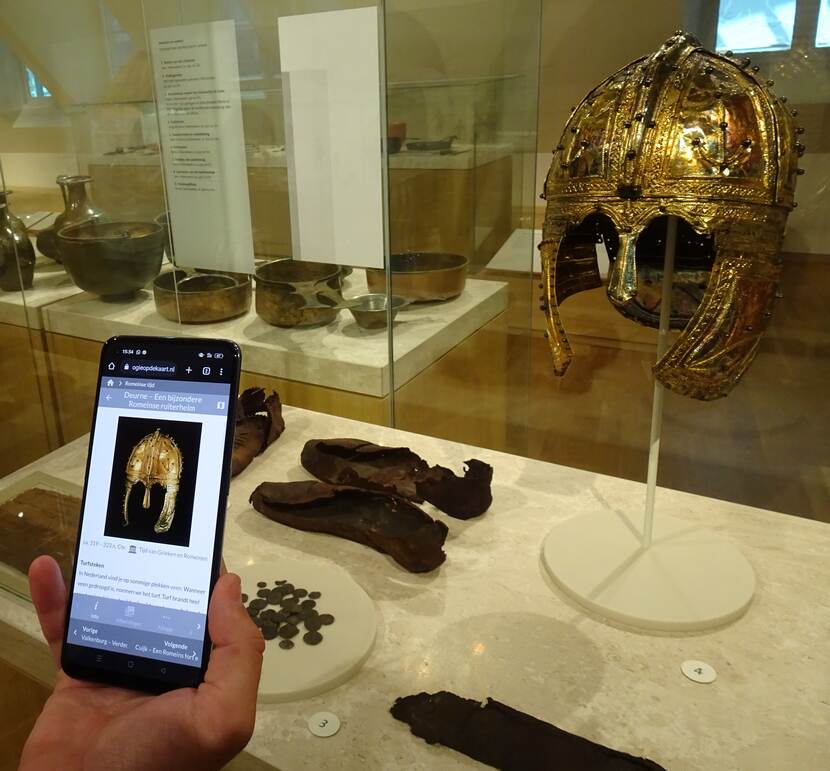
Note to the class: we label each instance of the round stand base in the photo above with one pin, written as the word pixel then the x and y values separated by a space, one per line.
pixel 689 579
pixel 307 670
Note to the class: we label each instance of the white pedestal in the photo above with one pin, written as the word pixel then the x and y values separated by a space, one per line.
pixel 688 579
pixel 306 670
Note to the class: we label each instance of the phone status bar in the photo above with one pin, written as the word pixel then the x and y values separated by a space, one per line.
pixel 202 354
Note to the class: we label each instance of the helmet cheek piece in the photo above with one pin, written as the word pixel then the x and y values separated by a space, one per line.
pixel 722 338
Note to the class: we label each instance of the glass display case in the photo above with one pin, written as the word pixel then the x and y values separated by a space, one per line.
pixel 760 445
pixel 354 192
pixel 462 169
pixel 94 143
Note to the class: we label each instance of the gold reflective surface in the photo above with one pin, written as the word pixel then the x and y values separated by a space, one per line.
pixel 689 133
pixel 155 460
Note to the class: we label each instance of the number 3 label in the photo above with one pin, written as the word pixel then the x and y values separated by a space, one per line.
pixel 324 724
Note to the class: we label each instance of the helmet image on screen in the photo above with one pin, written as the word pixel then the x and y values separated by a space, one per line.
pixel 155 460
pixel 693 134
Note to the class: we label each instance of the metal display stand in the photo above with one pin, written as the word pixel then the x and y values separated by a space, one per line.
pixel 663 573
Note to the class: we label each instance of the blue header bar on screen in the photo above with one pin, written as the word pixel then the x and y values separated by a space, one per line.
pixel 164 396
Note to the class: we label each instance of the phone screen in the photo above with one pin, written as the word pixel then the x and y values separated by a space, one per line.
pixel 153 507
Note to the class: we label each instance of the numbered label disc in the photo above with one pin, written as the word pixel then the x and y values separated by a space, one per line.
pixel 699 671
pixel 324 724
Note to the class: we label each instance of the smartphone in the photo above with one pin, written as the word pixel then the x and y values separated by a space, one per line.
pixel 153 512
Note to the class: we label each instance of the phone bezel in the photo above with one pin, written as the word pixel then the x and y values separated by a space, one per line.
pixel 78 660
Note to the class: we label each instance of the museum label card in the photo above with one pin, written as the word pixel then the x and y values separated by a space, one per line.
pixel 331 89
pixel 203 145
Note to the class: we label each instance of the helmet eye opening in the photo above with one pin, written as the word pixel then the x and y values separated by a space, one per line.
pixel 693 251
pixel 693 261
pixel 596 228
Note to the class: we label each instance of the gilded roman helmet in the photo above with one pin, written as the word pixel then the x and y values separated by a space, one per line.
pixel 690 133
pixel 155 460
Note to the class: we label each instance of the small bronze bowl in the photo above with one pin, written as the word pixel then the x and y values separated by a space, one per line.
pixel 369 310
pixel 202 298
pixel 291 293
pixel 111 259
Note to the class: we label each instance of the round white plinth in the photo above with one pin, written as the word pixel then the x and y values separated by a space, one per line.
pixel 690 578
pixel 307 670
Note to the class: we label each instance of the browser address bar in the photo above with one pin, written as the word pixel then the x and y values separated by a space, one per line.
pixel 142 367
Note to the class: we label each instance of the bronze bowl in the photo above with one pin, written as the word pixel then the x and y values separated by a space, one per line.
pixel 422 276
pixel 290 293
pixel 369 310
pixel 111 259
pixel 202 298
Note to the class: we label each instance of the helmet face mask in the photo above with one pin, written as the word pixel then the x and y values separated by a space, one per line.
pixel 689 133
pixel 694 258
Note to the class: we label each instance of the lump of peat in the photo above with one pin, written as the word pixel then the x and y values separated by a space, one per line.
pixel 384 522
pixel 259 423
pixel 505 738
pixel 399 471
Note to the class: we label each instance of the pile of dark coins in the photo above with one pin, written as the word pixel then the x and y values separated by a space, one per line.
pixel 293 606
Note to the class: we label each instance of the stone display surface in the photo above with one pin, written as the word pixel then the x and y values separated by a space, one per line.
pixel 339 355
pixel 515 253
pixel 51 283
pixel 488 624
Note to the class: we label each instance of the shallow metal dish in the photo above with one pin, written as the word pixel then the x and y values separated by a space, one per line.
pixel 202 298
pixel 291 293
pixel 422 276
pixel 430 145
pixel 369 310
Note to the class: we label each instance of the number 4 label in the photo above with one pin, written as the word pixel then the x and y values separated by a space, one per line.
pixel 699 671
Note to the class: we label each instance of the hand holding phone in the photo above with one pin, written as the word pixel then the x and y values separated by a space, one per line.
pixel 88 725
pixel 153 512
